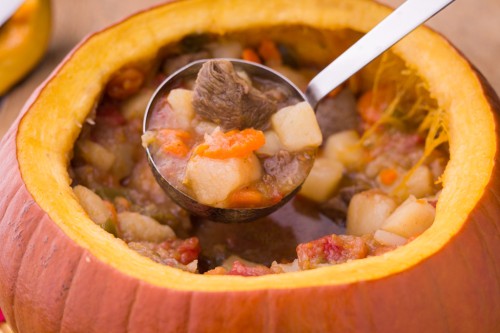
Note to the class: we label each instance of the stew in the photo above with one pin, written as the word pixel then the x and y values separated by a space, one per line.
pixel 373 187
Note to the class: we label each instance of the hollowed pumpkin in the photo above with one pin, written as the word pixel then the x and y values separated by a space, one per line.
pixel 23 41
pixel 61 272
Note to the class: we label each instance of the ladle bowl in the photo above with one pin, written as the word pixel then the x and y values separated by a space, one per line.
pixel 184 200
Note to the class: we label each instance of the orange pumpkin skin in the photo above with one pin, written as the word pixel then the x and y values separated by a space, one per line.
pixel 50 283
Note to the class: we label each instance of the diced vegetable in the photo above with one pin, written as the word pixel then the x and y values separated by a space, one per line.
pixel 367 212
pixel 192 266
pixel 93 205
pixel 137 227
pixel 174 141
pixel 346 147
pixel 331 249
pixel 240 268
pixel 297 127
pixel 181 102
pixel 245 198
pixel 388 238
pixel 293 75
pixel 126 82
pixel 229 262
pixel 135 106
pixel 411 218
pixel 232 144
pixel 323 179
pixel 184 251
pixel 388 176
pixel 124 162
pixel 272 145
pixel 205 127
pixel 212 180
pixel 226 50
pixel 95 154
pixel 285 268
pixel 250 55
pixel 148 138
pixel 420 182
pixel 269 52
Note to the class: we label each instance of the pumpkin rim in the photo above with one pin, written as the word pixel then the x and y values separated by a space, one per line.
pixel 43 153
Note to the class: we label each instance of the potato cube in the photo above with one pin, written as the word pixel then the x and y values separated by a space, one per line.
pixel 137 227
pixel 181 102
pixel 285 268
pixel 346 147
pixel 297 127
pixel 420 182
pixel 272 146
pixel 388 238
pixel 411 218
pixel 93 205
pixel 212 180
pixel 124 160
pixel 226 49
pixel 96 154
pixel 367 212
pixel 135 106
pixel 205 127
pixel 323 179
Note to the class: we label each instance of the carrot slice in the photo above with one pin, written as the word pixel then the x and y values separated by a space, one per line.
pixel 232 144
pixel 250 55
pixel 269 52
pixel 388 176
pixel 174 141
pixel 245 198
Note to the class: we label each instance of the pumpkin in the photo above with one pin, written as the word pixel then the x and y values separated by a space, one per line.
pixel 23 41
pixel 61 272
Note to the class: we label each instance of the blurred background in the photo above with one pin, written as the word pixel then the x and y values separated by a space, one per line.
pixel 471 25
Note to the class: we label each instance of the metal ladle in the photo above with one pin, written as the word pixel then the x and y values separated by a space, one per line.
pixel 395 26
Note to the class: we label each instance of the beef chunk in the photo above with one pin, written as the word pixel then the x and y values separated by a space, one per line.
pixel 223 97
pixel 338 113
pixel 288 169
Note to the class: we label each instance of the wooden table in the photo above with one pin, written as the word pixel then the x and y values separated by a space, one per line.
pixel 472 25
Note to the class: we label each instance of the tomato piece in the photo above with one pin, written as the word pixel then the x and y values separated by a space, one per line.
pixel 332 249
pixel 240 269
pixel 184 251
pixel 110 114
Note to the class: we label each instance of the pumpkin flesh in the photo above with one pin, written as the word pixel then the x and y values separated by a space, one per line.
pixel 49 216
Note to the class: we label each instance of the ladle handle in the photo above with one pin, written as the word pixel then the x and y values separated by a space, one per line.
pixel 398 24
